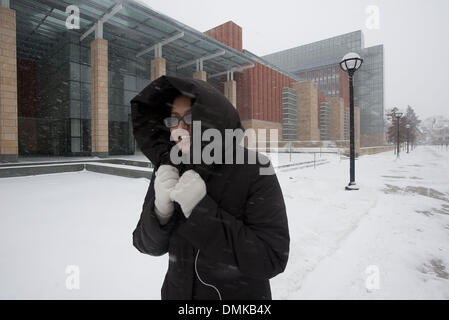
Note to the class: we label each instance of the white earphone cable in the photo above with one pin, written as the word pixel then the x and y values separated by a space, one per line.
pixel 199 278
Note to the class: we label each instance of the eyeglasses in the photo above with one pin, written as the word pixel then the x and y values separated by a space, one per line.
pixel 172 122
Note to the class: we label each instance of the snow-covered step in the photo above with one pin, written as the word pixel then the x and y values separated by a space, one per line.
pixel 130 171
pixel 120 170
pixel 145 164
pixel 30 170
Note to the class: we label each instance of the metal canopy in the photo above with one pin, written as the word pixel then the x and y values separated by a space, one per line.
pixel 98 27
pixel 199 61
pixel 158 46
pixel 134 27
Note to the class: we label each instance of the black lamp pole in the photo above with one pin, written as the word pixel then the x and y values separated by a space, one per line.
pixel 408 137
pixel 398 116
pixel 397 136
pixel 350 63
pixel 351 131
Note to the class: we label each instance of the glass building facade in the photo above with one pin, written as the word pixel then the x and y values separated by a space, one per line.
pixel 61 83
pixel 289 115
pixel 324 121
pixel 54 69
pixel 319 62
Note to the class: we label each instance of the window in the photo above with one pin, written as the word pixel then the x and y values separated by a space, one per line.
pixel 75 127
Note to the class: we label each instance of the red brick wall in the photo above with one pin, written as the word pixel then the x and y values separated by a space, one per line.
pixel 259 93
pixel 344 88
pixel 259 89
pixel 228 33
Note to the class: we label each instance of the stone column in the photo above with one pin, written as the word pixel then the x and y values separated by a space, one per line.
pixel 337 118
pixel 158 68
pixel 230 91
pixel 8 86
pixel 99 97
pixel 201 75
pixel 307 101
pixel 357 129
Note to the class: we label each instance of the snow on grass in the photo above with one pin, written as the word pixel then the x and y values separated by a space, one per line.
pixel 396 224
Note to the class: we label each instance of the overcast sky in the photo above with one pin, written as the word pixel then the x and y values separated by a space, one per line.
pixel 414 33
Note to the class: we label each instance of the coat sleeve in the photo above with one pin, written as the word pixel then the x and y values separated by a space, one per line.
pixel 257 244
pixel 150 236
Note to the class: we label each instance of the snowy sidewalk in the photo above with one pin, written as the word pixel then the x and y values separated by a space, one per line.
pixel 396 227
pixel 389 240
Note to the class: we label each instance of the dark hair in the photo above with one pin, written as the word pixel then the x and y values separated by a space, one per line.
pixel 170 101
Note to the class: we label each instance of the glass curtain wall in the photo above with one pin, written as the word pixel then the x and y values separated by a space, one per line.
pixel 57 120
pixel 44 103
pixel 311 60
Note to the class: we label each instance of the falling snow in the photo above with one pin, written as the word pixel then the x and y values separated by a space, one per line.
pixel 389 240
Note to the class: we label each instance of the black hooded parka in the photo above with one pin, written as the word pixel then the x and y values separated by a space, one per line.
pixel 236 237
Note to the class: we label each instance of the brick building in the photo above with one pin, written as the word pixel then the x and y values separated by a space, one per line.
pixel 259 94
pixel 67 91
pixel 319 62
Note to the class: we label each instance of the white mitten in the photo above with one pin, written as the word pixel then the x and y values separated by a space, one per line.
pixel 189 190
pixel 167 177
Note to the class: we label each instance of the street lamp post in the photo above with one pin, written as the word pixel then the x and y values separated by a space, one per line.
pixel 398 116
pixel 350 63
pixel 408 137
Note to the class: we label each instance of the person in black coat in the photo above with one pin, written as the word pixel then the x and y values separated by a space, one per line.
pixel 223 224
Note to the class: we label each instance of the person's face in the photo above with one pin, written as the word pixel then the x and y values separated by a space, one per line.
pixel 182 132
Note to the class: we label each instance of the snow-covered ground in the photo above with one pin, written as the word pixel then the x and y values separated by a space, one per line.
pixel 284 158
pixel 295 156
pixel 389 240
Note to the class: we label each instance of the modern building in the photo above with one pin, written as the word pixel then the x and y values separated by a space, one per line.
pixel 289 114
pixel 319 62
pixel 67 92
pixel 324 121
pixel 66 80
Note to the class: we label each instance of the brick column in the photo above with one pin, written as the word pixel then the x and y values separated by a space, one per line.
pixel 8 86
pixel 307 111
pixel 337 118
pixel 201 75
pixel 158 68
pixel 230 91
pixel 99 97
pixel 357 129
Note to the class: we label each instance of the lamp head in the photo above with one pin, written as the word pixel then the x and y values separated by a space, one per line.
pixel 351 62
